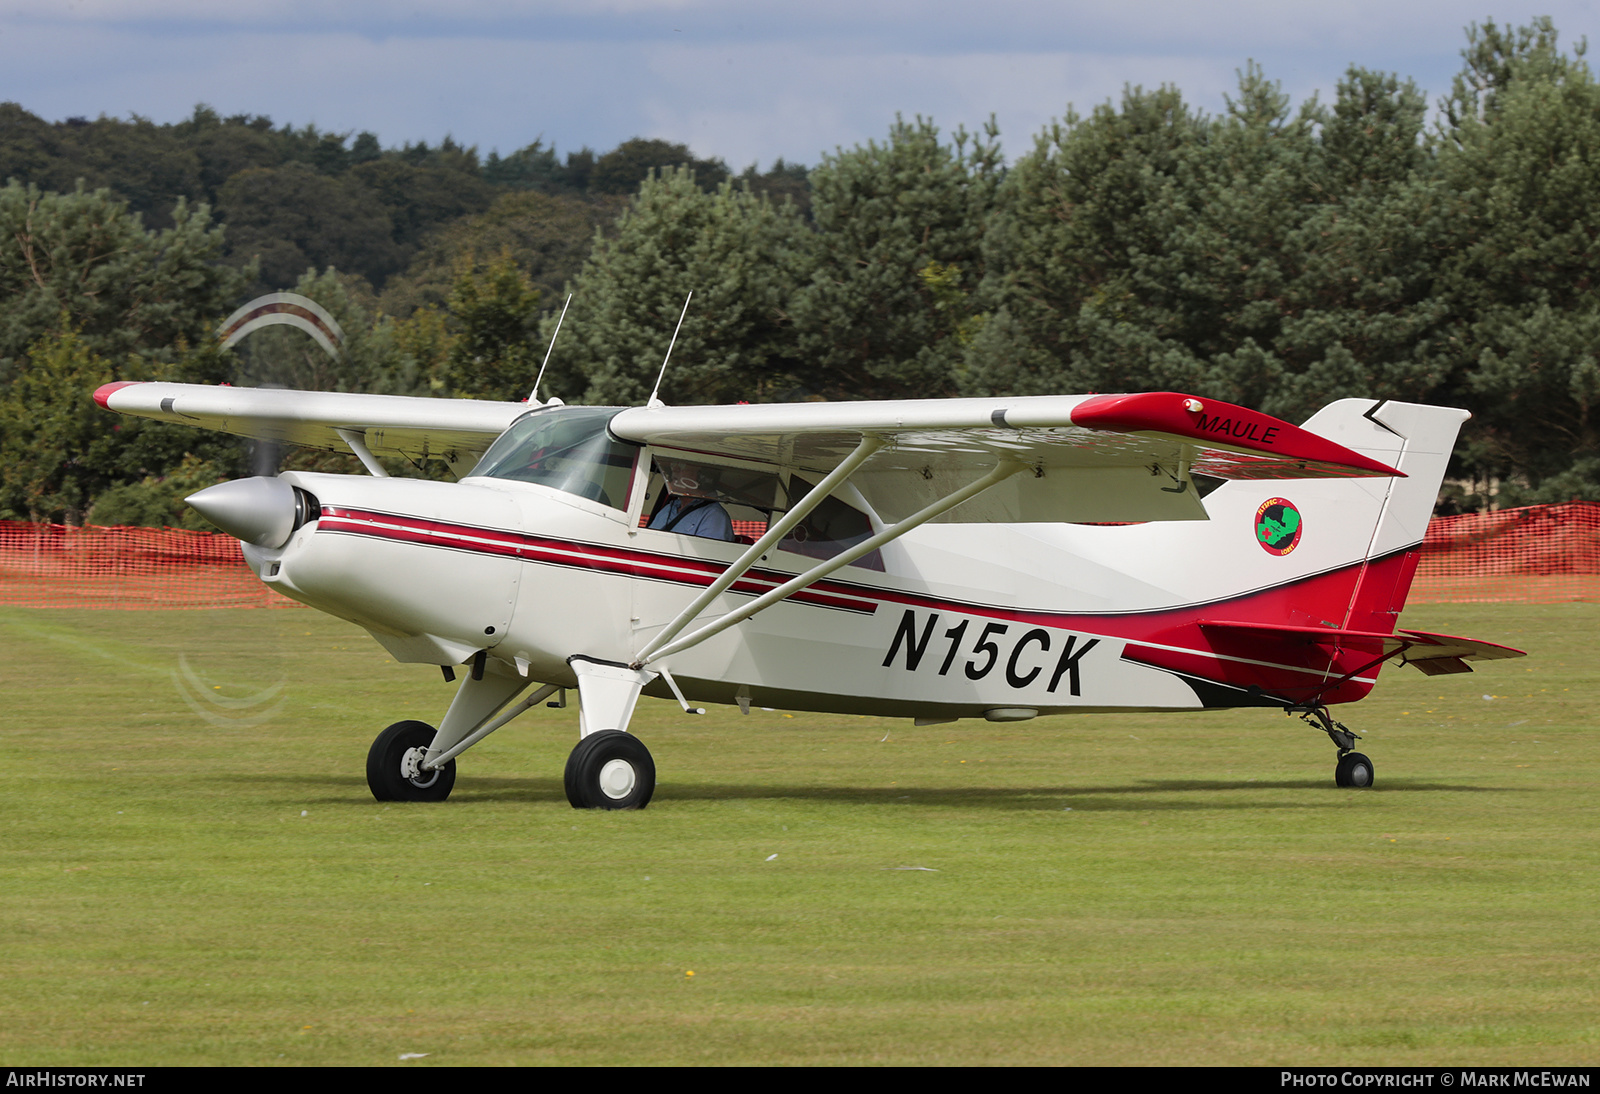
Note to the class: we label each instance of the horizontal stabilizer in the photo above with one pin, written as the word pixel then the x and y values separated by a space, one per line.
pixel 1433 654
pixel 1430 647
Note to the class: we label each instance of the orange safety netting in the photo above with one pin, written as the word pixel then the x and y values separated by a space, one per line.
pixel 1536 554
pixel 53 566
pixel 1541 553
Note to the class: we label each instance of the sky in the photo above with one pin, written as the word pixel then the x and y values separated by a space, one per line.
pixel 745 80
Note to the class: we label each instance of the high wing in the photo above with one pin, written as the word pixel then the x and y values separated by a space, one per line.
pixel 1091 457
pixel 454 430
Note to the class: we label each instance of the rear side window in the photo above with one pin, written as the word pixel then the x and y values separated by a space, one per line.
pixel 830 529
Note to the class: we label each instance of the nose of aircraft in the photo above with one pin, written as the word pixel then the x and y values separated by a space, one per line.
pixel 258 510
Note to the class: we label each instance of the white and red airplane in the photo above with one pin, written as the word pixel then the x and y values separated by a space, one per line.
pixel 930 559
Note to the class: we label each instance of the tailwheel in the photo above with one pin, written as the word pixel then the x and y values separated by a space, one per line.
pixel 394 766
pixel 1354 770
pixel 610 769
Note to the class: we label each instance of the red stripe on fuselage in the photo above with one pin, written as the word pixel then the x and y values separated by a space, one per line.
pixel 587 556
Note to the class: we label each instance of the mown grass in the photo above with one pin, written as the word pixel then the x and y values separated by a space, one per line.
pixel 179 889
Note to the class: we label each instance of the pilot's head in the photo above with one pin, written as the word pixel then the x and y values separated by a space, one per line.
pixel 688 478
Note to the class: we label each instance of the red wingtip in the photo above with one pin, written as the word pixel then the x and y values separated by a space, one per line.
pixel 1212 420
pixel 102 394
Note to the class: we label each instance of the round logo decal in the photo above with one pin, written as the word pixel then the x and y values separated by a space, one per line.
pixel 1278 526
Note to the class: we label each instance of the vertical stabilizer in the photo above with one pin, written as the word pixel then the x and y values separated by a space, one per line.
pixel 1418 440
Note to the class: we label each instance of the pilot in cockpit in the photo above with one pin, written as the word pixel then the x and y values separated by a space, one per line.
pixel 692 509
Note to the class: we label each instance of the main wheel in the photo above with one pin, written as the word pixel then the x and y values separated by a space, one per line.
pixel 392 771
pixel 610 769
pixel 1354 770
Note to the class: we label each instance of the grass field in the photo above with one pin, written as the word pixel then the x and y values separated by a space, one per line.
pixel 179 889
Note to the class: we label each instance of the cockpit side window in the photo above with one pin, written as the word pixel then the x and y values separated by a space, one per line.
pixel 752 498
pixel 566 449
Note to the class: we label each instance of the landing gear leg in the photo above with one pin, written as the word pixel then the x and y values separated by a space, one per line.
pixel 610 768
pixel 1353 769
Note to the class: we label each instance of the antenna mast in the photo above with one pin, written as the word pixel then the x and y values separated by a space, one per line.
pixel 662 375
pixel 533 396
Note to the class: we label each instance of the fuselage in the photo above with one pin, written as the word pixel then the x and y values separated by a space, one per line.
pixel 979 620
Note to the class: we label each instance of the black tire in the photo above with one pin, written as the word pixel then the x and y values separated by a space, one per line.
pixel 610 769
pixel 383 766
pixel 1354 771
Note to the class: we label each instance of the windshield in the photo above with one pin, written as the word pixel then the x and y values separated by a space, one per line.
pixel 566 449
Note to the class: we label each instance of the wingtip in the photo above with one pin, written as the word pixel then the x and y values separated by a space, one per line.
pixel 1213 420
pixel 103 393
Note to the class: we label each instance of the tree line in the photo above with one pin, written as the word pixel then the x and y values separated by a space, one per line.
pixel 1275 255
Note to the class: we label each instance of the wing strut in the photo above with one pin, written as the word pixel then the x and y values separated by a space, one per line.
pixel 780 528
pixel 356 439
pixel 1002 470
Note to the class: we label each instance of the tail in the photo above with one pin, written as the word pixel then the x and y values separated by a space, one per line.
pixel 1391 514
pixel 1290 592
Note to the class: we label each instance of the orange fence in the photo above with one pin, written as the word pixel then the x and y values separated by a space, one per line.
pixel 1537 554
pixel 1542 553
pixel 52 566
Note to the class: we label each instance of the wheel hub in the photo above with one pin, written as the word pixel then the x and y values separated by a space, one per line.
pixel 411 768
pixel 617 779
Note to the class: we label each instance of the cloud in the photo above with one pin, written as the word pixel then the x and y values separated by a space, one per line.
pixel 741 81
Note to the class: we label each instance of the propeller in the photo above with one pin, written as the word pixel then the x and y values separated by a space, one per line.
pixel 263 509
pixel 266 455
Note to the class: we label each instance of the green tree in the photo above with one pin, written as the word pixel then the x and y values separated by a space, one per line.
pixel 533 167
pixel 549 236
pixel 420 198
pixel 888 307
pixel 368 361
pixel 1519 164
pixel 223 148
pixel 31 150
pixel 741 256
pixel 782 182
pixel 54 447
pixel 1078 220
pixel 157 500
pixel 83 259
pixel 1272 257
pixel 625 168
pixel 1497 58
pixel 289 219
pixel 494 313
pixel 145 164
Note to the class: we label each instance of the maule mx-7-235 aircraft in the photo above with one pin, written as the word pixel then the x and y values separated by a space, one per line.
pixel 995 558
